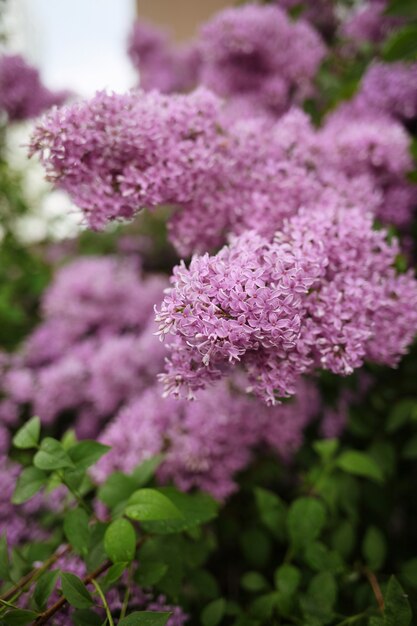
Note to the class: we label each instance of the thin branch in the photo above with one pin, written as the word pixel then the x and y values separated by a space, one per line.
pixel 375 588
pixel 44 617
pixel 34 574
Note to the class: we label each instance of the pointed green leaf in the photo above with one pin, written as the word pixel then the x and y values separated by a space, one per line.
pixel 20 617
pixel 397 607
pixel 76 529
pixel 117 488
pixel 306 519
pixel 360 464
pixel 146 470
pixel 213 613
pixel 75 592
pixel 44 587
pixel 145 618
pixel 29 483
pixel 51 456
pixel 374 548
pixel 86 453
pixel 28 436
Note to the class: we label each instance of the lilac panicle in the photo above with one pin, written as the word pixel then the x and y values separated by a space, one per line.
pixel 317 297
pixel 161 65
pixel 205 442
pixel 22 94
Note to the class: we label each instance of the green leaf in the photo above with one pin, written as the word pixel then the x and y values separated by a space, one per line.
pixel 143 473
pixel 28 436
pixel 402 45
pixel 86 453
pixel 397 607
pixel 306 519
pixel 326 448
pixel 20 617
pixel 360 464
pixel 263 607
pixel 30 481
pixel 51 456
pixel 114 573
pixel 374 548
pixel 120 541
pixel 145 618
pixel 287 579
pixel 343 539
pixel 151 505
pixel 75 592
pixel 4 559
pixel 272 512
pixel 253 581
pixel 400 414
pixel 213 613
pixel 44 587
pixel 86 617
pixel 195 509
pixel 320 558
pixel 321 597
pixel 76 529
pixel 150 573
pixel 117 488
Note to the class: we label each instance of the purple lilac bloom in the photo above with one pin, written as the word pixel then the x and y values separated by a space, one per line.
pixel 258 51
pixel 135 150
pixel 205 442
pixel 22 94
pixel 322 295
pixel 161 65
pixel 95 348
pixel 367 23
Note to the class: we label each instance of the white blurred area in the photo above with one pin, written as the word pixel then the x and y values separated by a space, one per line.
pixel 78 45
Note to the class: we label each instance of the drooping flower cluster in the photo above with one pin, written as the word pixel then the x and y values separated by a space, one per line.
pixel 143 150
pixel 95 348
pixel 366 136
pixel 206 442
pixel 162 65
pixel 255 56
pixel 135 150
pixel 22 94
pixel 322 295
pixel 260 57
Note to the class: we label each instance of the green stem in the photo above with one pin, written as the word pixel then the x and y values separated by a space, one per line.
pixel 103 599
pixel 127 594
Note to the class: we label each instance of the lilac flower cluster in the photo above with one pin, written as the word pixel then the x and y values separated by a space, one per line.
pixel 257 54
pixel 366 136
pixel 367 23
pixel 205 442
pixel 162 65
pixel 134 150
pixel 322 295
pixel 142 150
pixel 95 348
pixel 22 94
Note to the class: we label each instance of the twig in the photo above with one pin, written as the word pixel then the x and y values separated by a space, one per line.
pixel 34 574
pixel 375 587
pixel 46 615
